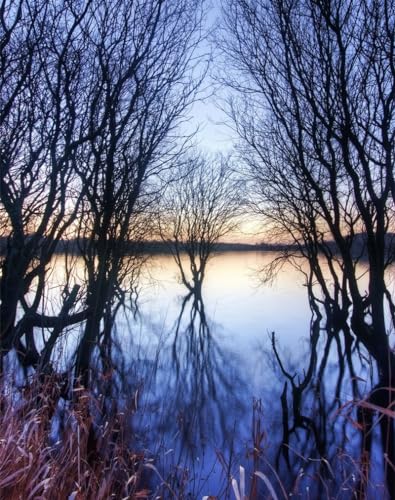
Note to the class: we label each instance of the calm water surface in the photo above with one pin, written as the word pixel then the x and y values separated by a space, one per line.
pixel 199 368
pixel 200 373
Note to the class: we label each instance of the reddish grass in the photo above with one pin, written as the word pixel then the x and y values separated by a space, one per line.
pixel 82 464
pixel 93 461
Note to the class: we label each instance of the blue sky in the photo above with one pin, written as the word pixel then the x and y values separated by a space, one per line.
pixel 206 115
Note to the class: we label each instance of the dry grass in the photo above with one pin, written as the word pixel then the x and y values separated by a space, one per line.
pixel 85 462
pixel 56 448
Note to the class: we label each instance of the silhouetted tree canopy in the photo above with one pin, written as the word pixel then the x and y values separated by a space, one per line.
pixel 313 101
pixel 314 109
pixel 92 94
pixel 196 211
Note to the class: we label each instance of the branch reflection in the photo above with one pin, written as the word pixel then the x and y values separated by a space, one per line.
pixel 205 386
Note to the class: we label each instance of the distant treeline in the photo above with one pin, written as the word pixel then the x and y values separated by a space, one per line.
pixel 75 247
pixel 153 247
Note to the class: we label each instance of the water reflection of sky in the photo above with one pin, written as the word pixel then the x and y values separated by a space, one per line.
pixel 198 369
pixel 241 310
pixel 235 299
pixel 203 381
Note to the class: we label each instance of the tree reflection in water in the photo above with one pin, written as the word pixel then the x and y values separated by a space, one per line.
pixel 207 386
pixel 193 417
pixel 329 440
pixel 192 411
pixel 193 401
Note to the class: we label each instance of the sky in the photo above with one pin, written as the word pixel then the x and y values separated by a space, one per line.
pixel 213 135
pixel 213 128
pixel 206 116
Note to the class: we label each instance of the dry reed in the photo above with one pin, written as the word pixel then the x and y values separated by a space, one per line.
pixel 79 460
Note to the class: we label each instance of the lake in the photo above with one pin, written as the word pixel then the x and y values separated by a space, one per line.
pixel 208 386
pixel 220 382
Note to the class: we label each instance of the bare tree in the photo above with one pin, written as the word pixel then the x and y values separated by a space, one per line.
pixel 197 211
pixel 145 65
pixel 91 96
pixel 43 60
pixel 317 121
pixel 316 87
